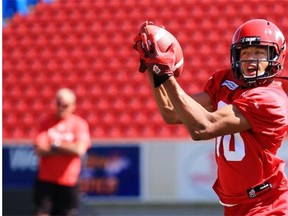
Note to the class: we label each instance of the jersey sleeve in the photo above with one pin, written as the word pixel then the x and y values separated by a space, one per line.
pixel 264 111
pixel 83 133
pixel 41 138
pixel 213 86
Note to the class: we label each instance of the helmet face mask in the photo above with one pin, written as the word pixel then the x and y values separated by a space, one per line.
pixel 262 34
pixel 261 76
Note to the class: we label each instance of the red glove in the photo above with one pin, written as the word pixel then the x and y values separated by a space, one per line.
pixel 137 39
pixel 142 66
pixel 160 63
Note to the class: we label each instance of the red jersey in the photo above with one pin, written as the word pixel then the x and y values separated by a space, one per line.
pixel 248 159
pixel 62 169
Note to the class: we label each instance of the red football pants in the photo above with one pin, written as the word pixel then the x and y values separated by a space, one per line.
pixel 275 205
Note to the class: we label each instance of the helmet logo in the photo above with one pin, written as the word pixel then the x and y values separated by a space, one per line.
pixel 250 40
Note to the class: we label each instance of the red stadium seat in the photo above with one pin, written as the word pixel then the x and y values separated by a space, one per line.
pixel 87 46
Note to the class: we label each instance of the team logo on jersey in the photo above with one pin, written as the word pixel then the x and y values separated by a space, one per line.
pixel 230 84
pixel 252 193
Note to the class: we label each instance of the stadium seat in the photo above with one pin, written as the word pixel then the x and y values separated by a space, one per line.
pixel 87 46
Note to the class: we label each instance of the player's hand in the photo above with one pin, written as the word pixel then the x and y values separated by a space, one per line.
pixel 138 39
pixel 160 63
pixel 142 65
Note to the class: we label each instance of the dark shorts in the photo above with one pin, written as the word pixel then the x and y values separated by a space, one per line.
pixel 54 199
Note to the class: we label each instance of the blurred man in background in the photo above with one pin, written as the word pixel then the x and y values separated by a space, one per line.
pixel 244 108
pixel 62 139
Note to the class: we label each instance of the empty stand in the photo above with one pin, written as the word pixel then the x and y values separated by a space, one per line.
pixel 87 46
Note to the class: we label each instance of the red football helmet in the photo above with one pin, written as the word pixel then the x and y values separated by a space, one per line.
pixel 263 33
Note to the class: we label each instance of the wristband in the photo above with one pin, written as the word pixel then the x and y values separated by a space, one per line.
pixel 159 80
pixel 55 144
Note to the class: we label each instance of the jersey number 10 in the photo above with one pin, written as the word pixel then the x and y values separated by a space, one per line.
pixel 233 144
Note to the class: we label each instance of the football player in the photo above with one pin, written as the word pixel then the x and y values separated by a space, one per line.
pixel 244 108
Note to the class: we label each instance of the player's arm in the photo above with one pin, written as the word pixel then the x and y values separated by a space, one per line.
pixel 165 106
pixel 77 147
pixel 43 151
pixel 201 123
pixel 70 148
pixel 44 146
pixel 163 102
pixel 56 148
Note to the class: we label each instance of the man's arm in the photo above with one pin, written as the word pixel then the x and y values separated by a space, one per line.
pixel 75 148
pixel 57 148
pixel 202 123
pixel 166 107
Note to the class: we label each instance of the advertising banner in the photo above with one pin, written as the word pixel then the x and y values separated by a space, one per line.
pixel 107 171
pixel 19 166
pixel 111 171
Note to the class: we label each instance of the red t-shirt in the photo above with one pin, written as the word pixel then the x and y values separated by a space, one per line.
pixel 248 159
pixel 62 169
